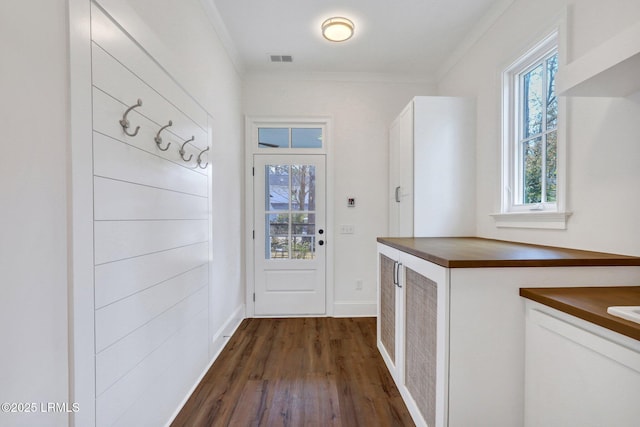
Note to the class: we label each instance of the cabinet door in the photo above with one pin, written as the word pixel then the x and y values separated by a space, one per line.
pixel 388 303
pixel 574 376
pixel 394 179
pixel 401 174
pixel 424 362
pixel 405 172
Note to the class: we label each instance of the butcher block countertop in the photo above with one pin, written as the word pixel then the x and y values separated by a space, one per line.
pixel 476 252
pixel 591 303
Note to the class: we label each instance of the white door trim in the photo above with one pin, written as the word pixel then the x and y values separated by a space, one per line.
pixel 251 148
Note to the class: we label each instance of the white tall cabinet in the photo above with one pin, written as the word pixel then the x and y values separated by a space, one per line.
pixel 432 168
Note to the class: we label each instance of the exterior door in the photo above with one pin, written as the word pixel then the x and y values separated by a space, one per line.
pixel 290 235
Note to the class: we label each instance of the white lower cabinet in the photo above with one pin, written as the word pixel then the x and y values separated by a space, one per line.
pixel 454 338
pixel 577 373
pixel 412 330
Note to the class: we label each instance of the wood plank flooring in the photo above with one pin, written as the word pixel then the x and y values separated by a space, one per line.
pixel 298 372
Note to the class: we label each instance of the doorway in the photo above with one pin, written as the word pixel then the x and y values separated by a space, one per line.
pixel 290 234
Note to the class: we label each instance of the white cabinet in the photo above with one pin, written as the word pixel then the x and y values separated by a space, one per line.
pixel 432 168
pixel 412 330
pixel 578 373
pixel 451 323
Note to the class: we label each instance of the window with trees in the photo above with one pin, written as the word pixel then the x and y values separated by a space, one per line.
pixel 530 114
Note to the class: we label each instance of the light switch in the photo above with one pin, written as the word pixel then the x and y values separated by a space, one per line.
pixel 347 229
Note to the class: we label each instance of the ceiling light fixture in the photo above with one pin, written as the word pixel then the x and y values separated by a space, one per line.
pixel 337 29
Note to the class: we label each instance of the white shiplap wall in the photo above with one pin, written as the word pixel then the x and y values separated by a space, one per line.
pixel 152 234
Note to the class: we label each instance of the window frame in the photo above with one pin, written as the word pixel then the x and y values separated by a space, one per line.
pixel 535 215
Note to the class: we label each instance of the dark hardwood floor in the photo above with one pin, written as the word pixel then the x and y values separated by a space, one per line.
pixel 298 372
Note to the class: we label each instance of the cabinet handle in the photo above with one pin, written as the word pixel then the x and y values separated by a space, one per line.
pixel 396 274
pixel 398 194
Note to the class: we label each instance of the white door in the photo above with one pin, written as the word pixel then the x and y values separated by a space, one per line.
pixel 290 234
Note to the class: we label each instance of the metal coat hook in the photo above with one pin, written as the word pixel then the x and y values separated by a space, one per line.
pixel 125 122
pixel 158 138
pixel 200 160
pixel 182 152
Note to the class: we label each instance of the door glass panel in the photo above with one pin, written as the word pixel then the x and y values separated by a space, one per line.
pixel 290 217
pixel 303 187
pixel 277 226
pixel 303 247
pixel 273 137
pixel 277 192
pixel 306 137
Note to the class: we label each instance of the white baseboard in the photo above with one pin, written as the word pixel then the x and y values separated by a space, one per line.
pixel 217 344
pixel 354 309
pixel 222 335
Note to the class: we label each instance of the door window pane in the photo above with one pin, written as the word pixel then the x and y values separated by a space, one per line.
pixel 303 223
pixel 306 138
pixel 278 248
pixel 303 187
pixel 277 192
pixel 303 247
pixel 277 226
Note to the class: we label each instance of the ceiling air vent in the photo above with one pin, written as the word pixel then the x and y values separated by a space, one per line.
pixel 281 58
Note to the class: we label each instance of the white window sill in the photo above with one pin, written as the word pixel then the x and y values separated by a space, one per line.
pixel 547 220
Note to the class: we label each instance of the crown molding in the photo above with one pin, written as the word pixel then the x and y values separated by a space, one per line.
pixel 223 34
pixel 473 36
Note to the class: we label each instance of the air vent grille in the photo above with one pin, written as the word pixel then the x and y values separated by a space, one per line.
pixel 281 58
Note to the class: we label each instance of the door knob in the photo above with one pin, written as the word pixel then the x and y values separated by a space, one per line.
pixel 321 231
pixel 321 242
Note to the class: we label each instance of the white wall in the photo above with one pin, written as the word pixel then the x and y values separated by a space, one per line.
pixel 362 109
pixel 603 146
pixel 33 199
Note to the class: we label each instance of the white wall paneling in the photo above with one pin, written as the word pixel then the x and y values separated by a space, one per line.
pixel 122 48
pixel 116 240
pixel 119 359
pixel 121 161
pixel 144 394
pixel 116 80
pixel 117 199
pixel 152 234
pixel 117 280
pixel 106 108
pixel 121 318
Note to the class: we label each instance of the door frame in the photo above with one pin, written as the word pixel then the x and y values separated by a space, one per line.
pixel 251 148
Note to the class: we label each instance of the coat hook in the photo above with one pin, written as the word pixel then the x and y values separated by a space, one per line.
pixel 182 152
pixel 200 160
pixel 158 138
pixel 125 122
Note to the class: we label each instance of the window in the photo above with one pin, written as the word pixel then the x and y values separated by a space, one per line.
pixel 531 117
pixel 281 137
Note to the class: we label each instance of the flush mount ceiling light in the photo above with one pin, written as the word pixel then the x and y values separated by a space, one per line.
pixel 337 29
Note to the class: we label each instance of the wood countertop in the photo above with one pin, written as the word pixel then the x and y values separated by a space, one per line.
pixel 591 303
pixel 476 252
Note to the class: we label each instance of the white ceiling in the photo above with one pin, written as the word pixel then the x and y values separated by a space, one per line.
pixel 406 37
